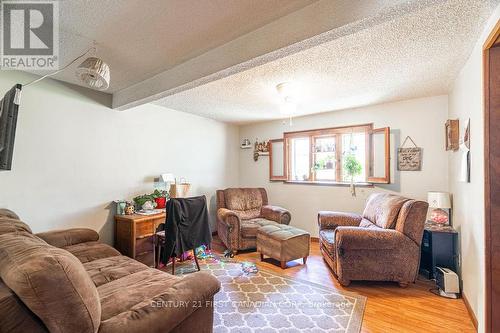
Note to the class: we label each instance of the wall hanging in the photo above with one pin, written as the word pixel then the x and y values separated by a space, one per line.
pixel 245 144
pixel 464 175
pixel 452 134
pixel 260 149
pixel 409 159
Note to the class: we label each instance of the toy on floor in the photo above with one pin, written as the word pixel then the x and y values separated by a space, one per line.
pixel 249 267
pixel 203 252
pixel 228 254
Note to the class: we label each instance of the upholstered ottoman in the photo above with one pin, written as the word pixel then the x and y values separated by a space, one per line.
pixel 283 243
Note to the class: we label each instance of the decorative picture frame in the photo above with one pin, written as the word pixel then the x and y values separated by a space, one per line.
pixel 260 149
pixel 452 134
pixel 409 159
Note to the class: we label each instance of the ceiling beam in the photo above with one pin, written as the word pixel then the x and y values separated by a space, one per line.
pixel 312 25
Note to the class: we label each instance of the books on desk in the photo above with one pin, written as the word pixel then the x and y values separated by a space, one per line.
pixel 150 212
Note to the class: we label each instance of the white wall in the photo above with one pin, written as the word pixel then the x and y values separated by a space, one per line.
pixel 73 155
pixel 423 119
pixel 466 101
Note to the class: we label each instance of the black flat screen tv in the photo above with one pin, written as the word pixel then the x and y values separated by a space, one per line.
pixel 9 107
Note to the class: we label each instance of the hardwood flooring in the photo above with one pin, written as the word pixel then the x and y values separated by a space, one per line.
pixel 389 308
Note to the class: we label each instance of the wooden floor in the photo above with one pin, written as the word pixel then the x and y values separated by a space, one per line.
pixel 389 308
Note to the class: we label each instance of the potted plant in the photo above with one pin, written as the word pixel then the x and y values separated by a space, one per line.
pixel 352 168
pixel 142 199
pixel 160 197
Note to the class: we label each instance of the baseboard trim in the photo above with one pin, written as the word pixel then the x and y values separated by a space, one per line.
pixel 315 239
pixel 472 315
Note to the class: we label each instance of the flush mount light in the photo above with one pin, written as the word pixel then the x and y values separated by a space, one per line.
pixel 288 94
pixel 287 90
pixel 94 73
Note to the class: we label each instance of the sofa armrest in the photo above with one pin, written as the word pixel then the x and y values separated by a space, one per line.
pixel 332 220
pixel 229 218
pixel 67 237
pixel 228 228
pixel 354 238
pixel 276 214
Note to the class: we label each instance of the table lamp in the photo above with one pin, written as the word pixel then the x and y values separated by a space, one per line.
pixel 440 207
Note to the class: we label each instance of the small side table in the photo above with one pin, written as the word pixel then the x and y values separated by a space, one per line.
pixel 134 236
pixel 439 249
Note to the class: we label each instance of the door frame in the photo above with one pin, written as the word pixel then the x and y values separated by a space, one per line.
pixel 489 43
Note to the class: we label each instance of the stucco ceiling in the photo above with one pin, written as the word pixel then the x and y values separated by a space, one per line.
pixel 139 39
pixel 412 54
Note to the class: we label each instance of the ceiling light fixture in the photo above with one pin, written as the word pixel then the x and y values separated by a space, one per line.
pixel 288 93
pixel 94 73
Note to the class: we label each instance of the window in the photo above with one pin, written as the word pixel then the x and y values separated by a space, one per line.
pixel 299 158
pixel 327 155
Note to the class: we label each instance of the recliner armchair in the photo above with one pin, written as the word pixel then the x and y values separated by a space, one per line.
pixel 383 244
pixel 240 212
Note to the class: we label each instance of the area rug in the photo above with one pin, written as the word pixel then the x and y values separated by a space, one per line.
pixel 262 301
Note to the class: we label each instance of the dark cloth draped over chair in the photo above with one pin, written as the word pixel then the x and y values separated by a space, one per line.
pixel 187 226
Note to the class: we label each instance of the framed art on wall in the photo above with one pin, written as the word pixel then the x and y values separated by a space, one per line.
pixel 409 159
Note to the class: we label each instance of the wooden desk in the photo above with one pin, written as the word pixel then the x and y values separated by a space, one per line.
pixel 134 235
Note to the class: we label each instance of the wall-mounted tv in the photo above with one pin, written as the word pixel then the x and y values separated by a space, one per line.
pixel 9 107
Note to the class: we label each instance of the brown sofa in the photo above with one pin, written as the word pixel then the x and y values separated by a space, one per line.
pixel 383 244
pixel 67 281
pixel 241 212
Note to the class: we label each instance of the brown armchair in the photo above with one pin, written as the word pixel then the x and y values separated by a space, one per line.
pixel 383 244
pixel 240 212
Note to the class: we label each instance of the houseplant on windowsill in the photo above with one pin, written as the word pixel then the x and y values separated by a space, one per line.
pixel 352 168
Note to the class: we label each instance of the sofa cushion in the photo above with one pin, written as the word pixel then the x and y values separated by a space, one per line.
pixel 90 251
pixel 247 202
pixel 249 227
pixel 153 301
pixel 51 282
pixel 105 270
pixel 327 239
pixel 382 209
pixel 368 224
pixel 15 317
pixel 8 225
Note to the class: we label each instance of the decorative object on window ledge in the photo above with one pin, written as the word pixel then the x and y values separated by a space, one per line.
pixel 409 159
pixel 246 144
pixel 440 207
pixel 452 134
pixel 260 149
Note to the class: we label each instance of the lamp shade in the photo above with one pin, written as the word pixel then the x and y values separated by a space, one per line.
pixel 94 73
pixel 439 199
pixel 167 178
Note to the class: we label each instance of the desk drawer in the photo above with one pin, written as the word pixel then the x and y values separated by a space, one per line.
pixel 144 244
pixel 144 229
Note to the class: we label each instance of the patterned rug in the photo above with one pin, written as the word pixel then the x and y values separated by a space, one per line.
pixel 261 301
